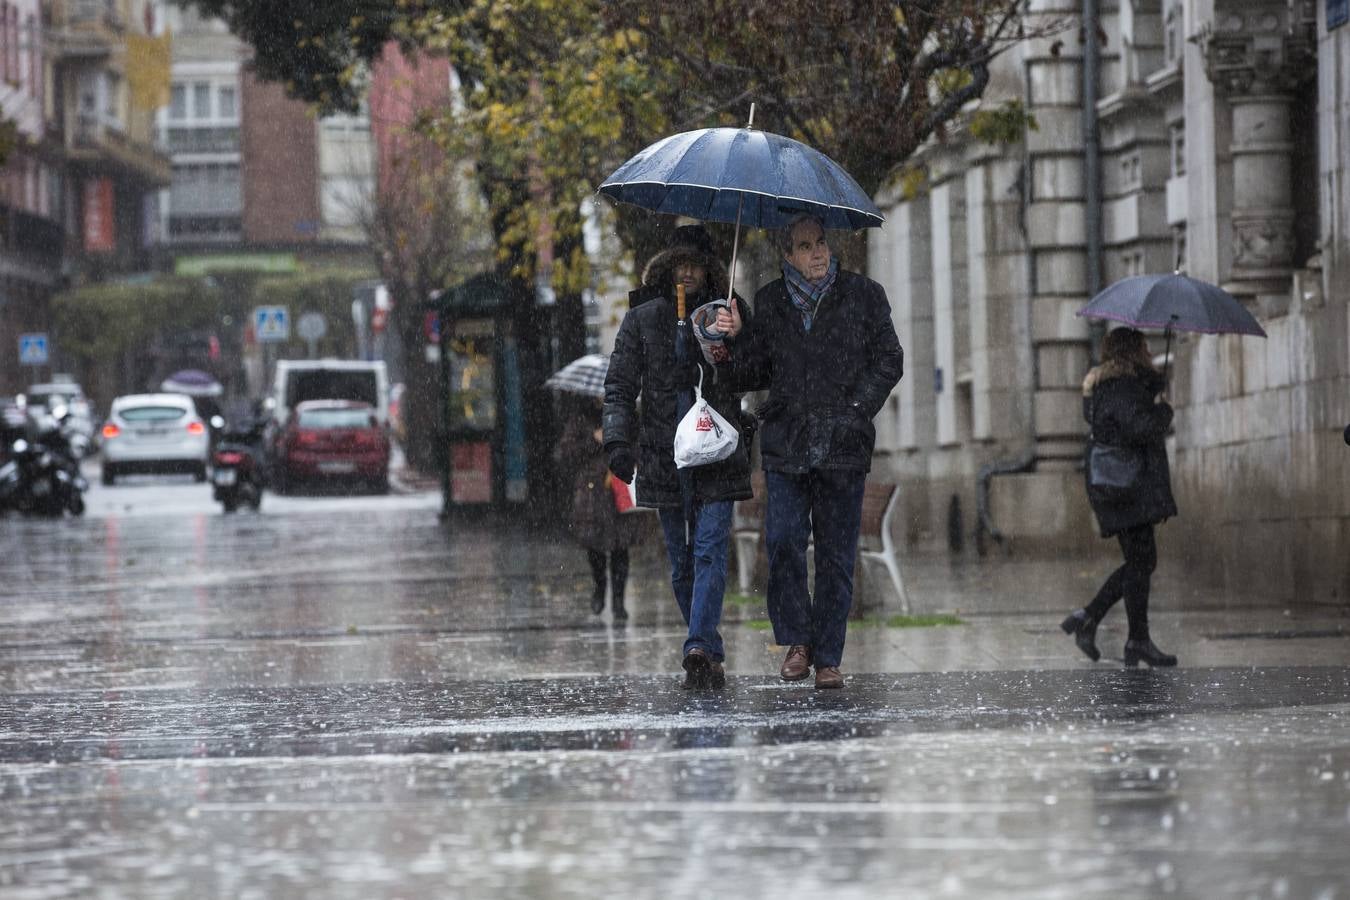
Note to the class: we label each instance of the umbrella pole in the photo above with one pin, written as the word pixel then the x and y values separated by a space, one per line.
pixel 1167 356
pixel 735 246
pixel 736 240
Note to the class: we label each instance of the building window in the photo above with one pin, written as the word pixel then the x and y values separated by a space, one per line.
pixel 1172 20
pixel 225 100
pixel 201 100
pixel 1178 136
pixel 1179 247
pixel 11 44
pixel 34 58
pixel 178 102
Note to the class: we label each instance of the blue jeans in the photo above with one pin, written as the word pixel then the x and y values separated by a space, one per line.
pixel 698 573
pixel 826 503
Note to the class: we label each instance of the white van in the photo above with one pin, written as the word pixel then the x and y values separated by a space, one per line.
pixel 298 380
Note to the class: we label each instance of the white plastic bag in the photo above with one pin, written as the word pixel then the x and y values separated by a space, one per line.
pixel 703 436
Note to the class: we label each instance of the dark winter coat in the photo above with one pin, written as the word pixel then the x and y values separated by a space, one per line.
pixel 643 364
pixel 825 385
pixel 595 522
pixel 1119 408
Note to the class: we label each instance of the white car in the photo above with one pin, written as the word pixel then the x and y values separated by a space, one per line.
pixel 154 433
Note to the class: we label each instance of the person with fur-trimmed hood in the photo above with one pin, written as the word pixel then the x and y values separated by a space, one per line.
pixel 1122 402
pixel 645 366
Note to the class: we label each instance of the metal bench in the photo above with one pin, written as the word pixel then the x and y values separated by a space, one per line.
pixel 875 543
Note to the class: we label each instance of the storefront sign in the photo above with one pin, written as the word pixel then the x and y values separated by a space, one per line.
pixel 99 236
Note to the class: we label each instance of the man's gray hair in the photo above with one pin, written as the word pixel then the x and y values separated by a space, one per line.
pixel 785 233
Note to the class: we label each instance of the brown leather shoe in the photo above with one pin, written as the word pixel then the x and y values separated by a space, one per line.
pixel 717 676
pixel 797 664
pixel 697 670
pixel 828 678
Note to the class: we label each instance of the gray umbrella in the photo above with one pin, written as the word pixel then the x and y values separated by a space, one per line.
pixel 1174 303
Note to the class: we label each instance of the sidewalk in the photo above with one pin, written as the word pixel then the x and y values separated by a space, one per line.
pixel 1011 611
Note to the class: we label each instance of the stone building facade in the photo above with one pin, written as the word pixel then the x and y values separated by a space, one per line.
pixel 1220 126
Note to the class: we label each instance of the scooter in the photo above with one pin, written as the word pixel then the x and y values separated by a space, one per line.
pixel 40 475
pixel 237 470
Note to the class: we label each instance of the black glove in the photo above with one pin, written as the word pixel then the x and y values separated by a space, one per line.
pixel 749 425
pixel 621 462
pixel 687 374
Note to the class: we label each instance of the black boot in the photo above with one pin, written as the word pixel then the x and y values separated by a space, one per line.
pixel 1084 631
pixel 1148 652
pixel 598 600
pixel 618 582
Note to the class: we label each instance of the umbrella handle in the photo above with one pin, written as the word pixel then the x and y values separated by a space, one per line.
pixel 679 300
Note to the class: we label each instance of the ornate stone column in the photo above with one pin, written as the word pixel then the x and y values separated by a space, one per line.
pixel 1257 54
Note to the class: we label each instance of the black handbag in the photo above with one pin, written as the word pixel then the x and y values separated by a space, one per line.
pixel 1113 471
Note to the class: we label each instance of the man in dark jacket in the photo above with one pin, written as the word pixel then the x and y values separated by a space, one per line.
pixel 823 344
pixel 695 504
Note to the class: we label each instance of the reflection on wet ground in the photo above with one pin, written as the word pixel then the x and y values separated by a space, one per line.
pixel 1249 803
pixel 343 698
pixel 618 712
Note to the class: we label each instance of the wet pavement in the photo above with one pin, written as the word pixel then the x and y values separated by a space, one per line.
pixel 344 697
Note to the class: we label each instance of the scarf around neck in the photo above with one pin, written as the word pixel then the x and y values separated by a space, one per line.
pixel 806 295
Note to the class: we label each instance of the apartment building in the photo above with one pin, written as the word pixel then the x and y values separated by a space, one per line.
pixel 77 84
pixel 259 182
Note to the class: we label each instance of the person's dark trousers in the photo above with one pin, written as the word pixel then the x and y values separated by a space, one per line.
pixel 828 504
pixel 1130 581
pixel 698 571
pixel 618 572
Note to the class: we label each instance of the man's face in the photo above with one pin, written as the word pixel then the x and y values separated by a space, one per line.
pixel 809 255
pixel 692 276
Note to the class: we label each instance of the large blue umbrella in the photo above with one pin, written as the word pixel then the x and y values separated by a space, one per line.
pixel 744 176
pixel 740 174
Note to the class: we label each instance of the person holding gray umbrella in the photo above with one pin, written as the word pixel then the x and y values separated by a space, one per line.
pixel 1128 479
pixel 1123 406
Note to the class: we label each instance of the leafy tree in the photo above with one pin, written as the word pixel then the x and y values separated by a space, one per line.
pixel 559 92
pixel 865 81
pixel 428 229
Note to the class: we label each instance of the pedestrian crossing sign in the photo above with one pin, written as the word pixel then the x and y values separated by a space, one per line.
pixel 33 349
pixel 271 323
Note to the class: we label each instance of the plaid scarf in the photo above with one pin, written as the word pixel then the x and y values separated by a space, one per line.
pixel 806 295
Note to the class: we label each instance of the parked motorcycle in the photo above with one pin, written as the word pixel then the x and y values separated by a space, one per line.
pixel 40 474
pixel 236 465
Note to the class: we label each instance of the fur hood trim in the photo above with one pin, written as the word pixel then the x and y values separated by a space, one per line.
pixel 660 271
pixel 1105 372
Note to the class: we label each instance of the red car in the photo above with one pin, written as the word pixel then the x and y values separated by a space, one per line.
pixel 333 439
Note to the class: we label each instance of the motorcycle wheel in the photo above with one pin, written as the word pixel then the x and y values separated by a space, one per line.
pixel 256 500
pixel 76 505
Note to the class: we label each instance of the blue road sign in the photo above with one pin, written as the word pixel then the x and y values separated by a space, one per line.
pixel 33 349
pixel 271 323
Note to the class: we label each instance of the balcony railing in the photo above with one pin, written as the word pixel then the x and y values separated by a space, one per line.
pixel 219 139
pixel 92 12
pixel 23 233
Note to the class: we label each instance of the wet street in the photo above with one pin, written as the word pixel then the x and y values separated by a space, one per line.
pixel 344 697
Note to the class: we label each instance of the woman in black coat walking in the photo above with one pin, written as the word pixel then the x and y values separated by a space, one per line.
pixel 1124 409
pixel 596 523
